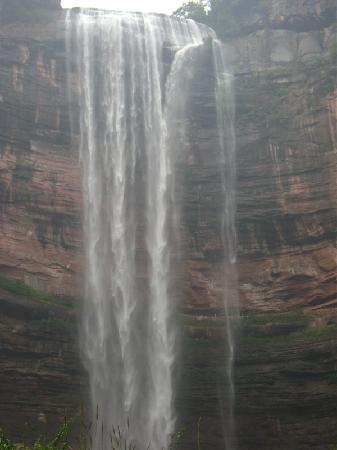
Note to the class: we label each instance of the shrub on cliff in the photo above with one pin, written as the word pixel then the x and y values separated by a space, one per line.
pixel 226 17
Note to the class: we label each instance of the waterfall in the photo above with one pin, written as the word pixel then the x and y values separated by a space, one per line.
pixel 225 104
pixel 133 74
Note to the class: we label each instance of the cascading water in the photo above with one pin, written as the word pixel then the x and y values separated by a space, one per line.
pixel 132 122
pixel 224 95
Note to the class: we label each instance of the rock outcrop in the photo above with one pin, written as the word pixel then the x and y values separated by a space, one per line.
pixel 286 122
pixel 41 376
pixel 40 188
pixel 285 66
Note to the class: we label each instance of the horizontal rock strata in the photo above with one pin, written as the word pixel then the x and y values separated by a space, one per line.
pixel 286 220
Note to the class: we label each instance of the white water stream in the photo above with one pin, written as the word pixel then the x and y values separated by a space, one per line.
pixel 132 118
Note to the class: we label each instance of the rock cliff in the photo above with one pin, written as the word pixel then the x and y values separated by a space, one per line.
pixel 40 189
pixel 285 71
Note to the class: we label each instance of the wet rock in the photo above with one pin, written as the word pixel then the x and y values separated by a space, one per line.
pixel 286 221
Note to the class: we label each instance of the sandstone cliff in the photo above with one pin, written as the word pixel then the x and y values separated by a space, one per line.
pixel 285 66
pixel 40 190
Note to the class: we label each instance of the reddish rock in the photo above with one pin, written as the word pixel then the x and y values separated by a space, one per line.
pixel 286 222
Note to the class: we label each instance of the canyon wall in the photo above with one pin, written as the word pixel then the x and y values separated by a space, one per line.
pixel 286 129
pixel 286 94
pixel 40 188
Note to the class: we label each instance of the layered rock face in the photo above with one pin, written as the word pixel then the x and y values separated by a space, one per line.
pixel 285 66
pixel 41 377
pixel 286 130
pixel 40 188
pixel 286 122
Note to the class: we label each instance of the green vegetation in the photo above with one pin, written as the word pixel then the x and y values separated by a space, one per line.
pixel 118 439
pixel 277 329
pixel 60 442
pixel 56 325
pixel 204 322
pixel 22 289
pixel 202 343
pixel 286 317
pixel 193 10
pixel 309 333
pixel 226 17
pixel 262 330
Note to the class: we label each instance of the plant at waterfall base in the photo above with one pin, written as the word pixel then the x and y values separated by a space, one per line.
pixel 117 438
pixel 60 442
pixel 4 442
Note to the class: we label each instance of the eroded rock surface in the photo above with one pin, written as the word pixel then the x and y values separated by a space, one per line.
pixel 40 188
pixel 41 375
pixel 285 65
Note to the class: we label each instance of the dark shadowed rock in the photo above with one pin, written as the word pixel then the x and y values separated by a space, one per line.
pixel 286 220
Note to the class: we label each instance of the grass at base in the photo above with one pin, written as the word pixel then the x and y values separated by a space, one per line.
pixel 311 334
pixel 22 289
pixel 279 317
